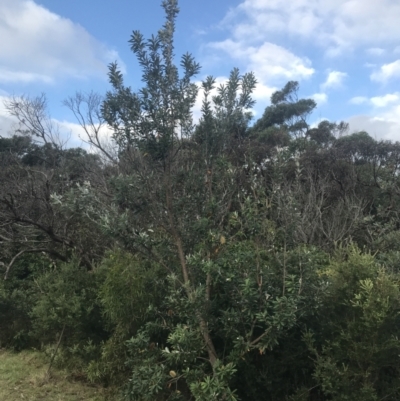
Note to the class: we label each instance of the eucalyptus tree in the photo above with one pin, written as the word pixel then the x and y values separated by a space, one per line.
pixel 287 112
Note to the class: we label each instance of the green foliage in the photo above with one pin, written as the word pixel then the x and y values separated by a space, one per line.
pixel 67 297
pixel 286 111
pixel 130 286
pixel 356 351
pixel 66 310
pixel 223 126
pixel 220 261
pixel 215 387
pixel 148 119
pixel 149 376
pixel 130 289
pixel 17 297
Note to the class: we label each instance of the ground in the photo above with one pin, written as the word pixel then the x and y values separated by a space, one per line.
pixel 23 376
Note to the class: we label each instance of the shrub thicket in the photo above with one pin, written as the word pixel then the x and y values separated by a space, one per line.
pixel 211 261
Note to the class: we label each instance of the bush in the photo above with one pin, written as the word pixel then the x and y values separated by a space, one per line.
pixel 67 310
pixel 131 290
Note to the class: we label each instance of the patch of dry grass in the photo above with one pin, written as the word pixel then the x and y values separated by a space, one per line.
pixel 23 377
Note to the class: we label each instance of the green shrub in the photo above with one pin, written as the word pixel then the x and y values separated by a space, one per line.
pixel 17 297
pixel 67 310
pixel 356 351
pixel 131 290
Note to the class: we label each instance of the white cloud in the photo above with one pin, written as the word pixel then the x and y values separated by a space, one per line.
pixel 270 63
pixel 263 93
pixel 386 72
pixel 359 100
pixel 38 45
pixel 384 120
pixel 378 128
pixel 334 80
pixel 384 101
pixel 7 76
pixel 7 123
pixel 320 98
pixel 377 101
pixel 375 51
pixel 336 25
pixel 77 137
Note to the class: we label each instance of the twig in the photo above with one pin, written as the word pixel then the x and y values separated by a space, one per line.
pixel 55 352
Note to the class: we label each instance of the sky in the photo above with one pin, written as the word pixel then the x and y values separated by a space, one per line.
pixel 345 54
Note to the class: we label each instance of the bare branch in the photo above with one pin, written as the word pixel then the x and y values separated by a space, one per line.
pixel 58 255
pixel 34 119
pixel 86 109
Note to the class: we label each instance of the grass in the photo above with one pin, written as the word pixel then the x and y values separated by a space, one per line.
pixel 23 376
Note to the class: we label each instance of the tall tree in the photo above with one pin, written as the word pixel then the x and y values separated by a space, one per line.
pixel 186 203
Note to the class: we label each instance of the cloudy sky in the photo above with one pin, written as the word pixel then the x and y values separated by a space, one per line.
pixel 344 53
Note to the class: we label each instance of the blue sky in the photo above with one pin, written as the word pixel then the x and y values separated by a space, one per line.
pixel 344 53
